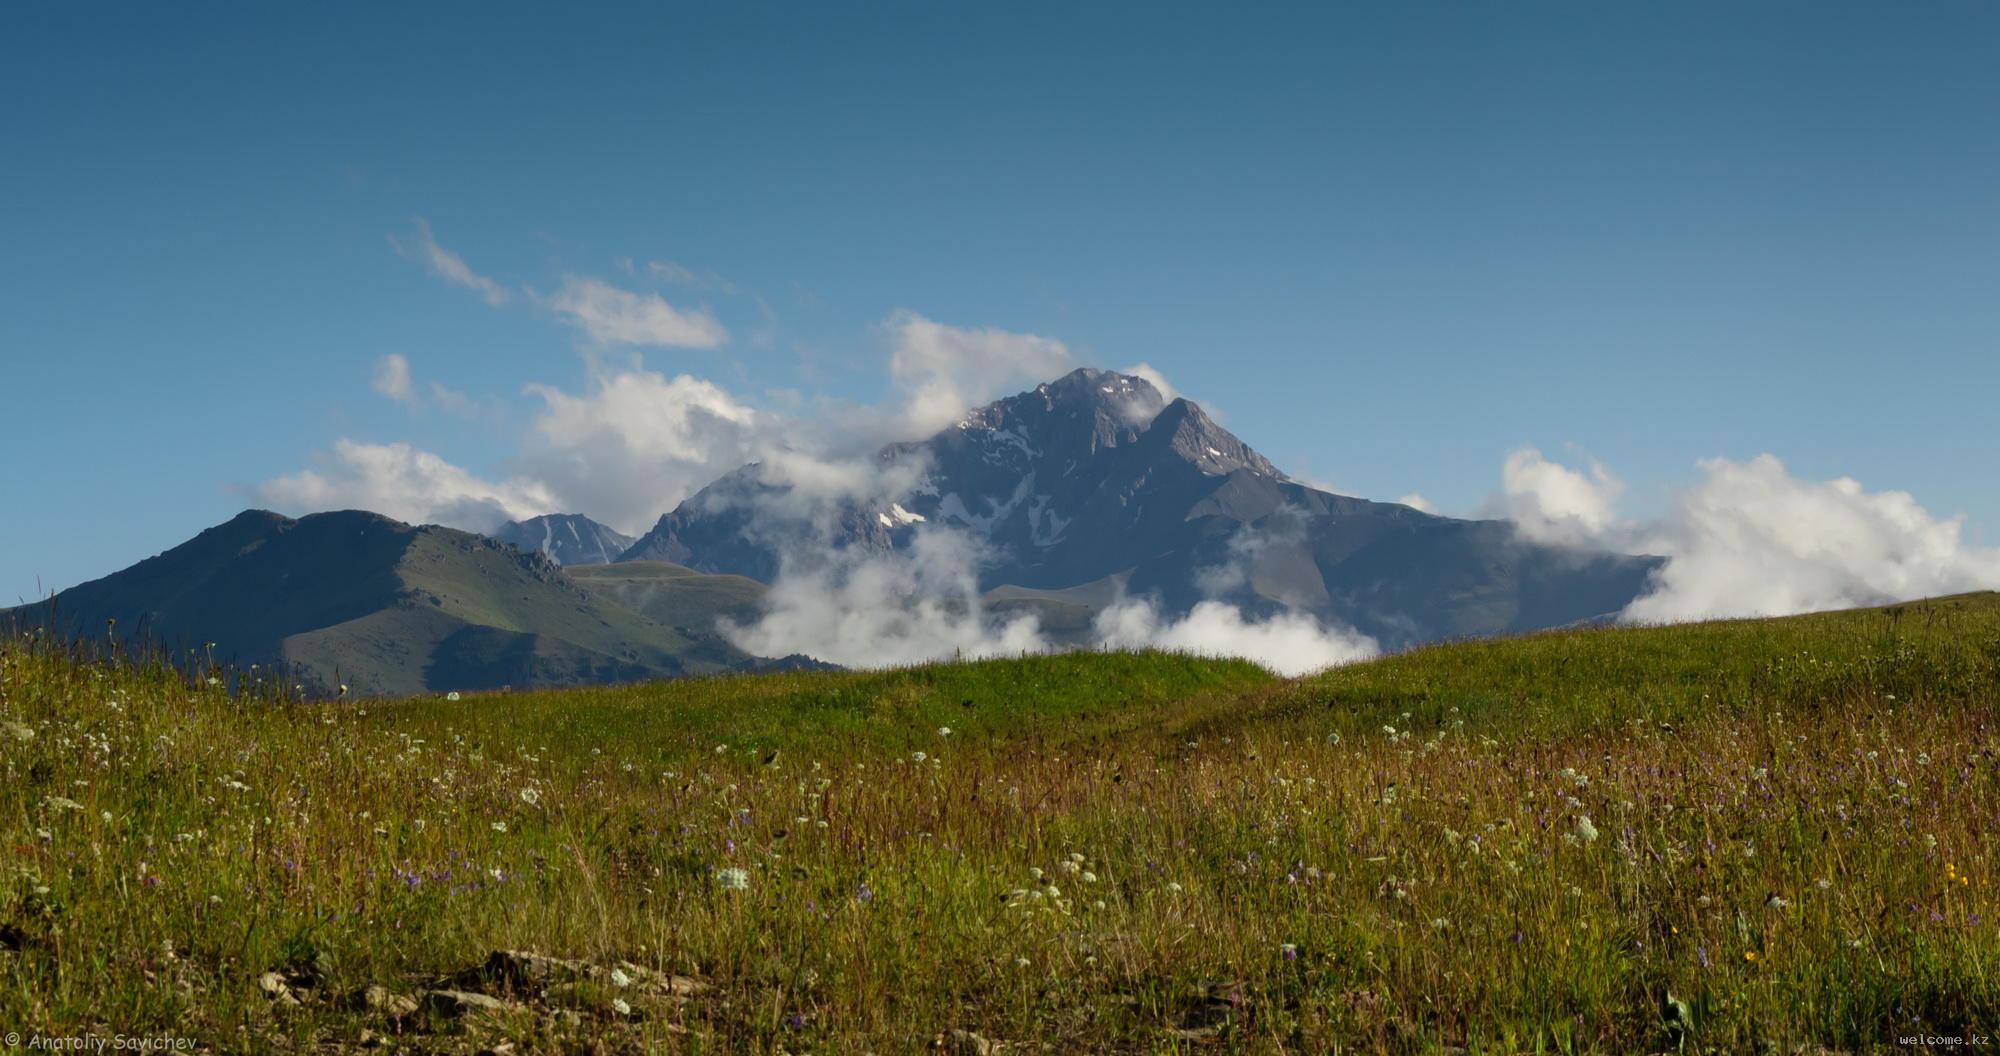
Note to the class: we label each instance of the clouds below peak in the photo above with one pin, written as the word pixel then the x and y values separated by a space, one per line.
pixel 1750 539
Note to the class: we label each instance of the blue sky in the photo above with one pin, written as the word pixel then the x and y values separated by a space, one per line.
pixel 1389 244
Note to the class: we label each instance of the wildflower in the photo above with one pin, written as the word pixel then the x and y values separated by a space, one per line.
pixel 531 795
pixel 499 826
pixel 453 695
pixel 944 731
pixel 619 1005
pixel 1775 901
pixel 1021 962
pixel 1750 956
pixel 1173 888
pixel 918 756
pixel 1585 831
pixel 732 879
pixel 1288 951
pixel 619 978
pixel 1089 877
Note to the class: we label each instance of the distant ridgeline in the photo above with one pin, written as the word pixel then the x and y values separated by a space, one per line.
pixel 1085 490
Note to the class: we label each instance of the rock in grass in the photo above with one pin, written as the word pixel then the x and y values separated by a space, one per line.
pixel 456 1003
pixel 533 971
pixel 382 1001
pixel 966 1043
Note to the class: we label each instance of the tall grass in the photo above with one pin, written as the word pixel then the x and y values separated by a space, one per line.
pixel 1747 836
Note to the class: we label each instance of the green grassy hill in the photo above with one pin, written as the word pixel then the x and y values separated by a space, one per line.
pixel 674 595
pixel 384 607
pixel 1751 836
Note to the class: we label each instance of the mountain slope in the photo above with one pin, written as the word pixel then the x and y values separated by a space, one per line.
pixel 1097 478
pixel 382 606
pixel 679 597
pixel 565 538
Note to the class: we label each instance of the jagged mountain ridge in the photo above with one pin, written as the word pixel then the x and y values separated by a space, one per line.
pixel 1098 478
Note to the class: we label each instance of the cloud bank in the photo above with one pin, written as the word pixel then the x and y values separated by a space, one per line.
pixel 1750 539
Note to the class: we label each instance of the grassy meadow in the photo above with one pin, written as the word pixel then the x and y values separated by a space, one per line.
pixel 1774 836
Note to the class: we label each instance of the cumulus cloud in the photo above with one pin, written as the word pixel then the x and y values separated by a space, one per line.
pixel 944 370
pixel 445 264
pixel 406 483
pixel 1289 643
pixel 1552 503
pixel 1750 539
pixel 884 609
pixel 635 442
pixel 392 378
pixel 609 315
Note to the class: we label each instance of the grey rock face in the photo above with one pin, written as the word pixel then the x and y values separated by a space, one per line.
pixel 565 538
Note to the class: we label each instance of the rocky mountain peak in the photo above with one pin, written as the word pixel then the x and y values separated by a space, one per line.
pixel 565 538
pixel 1187 431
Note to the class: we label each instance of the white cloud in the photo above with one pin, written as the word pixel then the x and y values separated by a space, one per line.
pixel 1416 501
pixel 944 370
pixel 392 378
pixel 1153 377
pixel 635 442
pixel 1288 643
pixel 448 265
pixel 1750 539
pixel 884 610
pixel 1553 503
pixel 408 484
pixel 609 315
